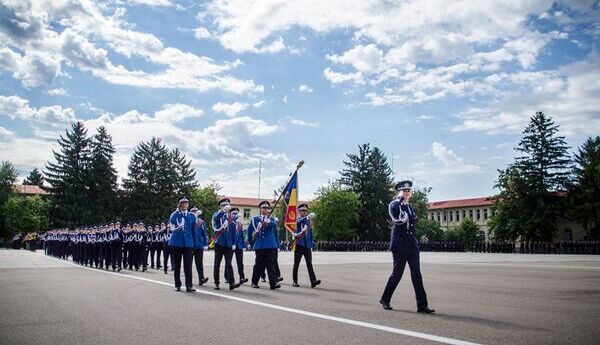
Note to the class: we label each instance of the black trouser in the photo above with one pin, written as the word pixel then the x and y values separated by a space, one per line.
pixel 276 262
pixel 166 254
pixel 144 255
pixel 239 260
pixel 177 254
pixel 152 252
pixel 198 261
pixel 116 254
pixel 299 252
pixel 221 252
pixel 158 255
pixel 125 255
pixel 264 260
pixel 400 259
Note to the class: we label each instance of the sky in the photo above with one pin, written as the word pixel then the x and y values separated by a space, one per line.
pixel 443 88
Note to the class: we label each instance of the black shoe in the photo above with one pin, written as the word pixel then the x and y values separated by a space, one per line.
pixel 244 280
pixel 144 269
pixel 277 286
pixel 315 283
pixel 217 287
pixel 226 281
pixel 425 310
pixel 113 269
pixel 385 305
pixel 255 286
pixel 119 269
pixel 264 280
pixel 177 288
pixel 190 289
pixel 203 281
pixel 152 267
pixel 295 284
pixel 280 279
pixel 166 272
pixel 233 286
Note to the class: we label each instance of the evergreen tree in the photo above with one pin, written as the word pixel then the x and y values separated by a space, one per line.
pixel 68 177
pixel 35 178
pixel 529 204
pixel 467 230
pixel 337 211
pixel 369 175
pixel 426 228
pixel 584 193
pixel 8 176
pixel 102 180
pixel 206 199
pixel 184 174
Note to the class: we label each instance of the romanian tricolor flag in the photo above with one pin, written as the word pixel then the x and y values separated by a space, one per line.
pixel 291 200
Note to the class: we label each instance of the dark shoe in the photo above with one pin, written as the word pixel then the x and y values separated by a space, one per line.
pixel 425 310
pixel 113 269
pixel 275 287
pixel 315 283
pixel 295 284
pixel 203 281
pixel 233 286
pixel 244 280
pixel 264 280
pixel 119 269
pixel 280 279
pixel 177 288
pixel 255 286
pixel 385 305
pixel 217 287
pixel 144 269
pixel 190 289
pixel 166 272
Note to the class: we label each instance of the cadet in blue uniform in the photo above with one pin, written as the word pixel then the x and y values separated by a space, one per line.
pixel 183 224
pixel 264 242
pixel 240 245
pixel 405 248
pixel 224 242
pixel 200 245
pixel 303 236
pixel 167 248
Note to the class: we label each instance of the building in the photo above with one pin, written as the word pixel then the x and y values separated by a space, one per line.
pixel 450 213
pixel 249 206
pixel 27 190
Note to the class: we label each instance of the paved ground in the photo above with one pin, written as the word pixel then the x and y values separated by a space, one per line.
pixel 480 298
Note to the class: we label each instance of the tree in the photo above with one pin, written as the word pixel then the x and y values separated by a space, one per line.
pixel 426 228
pixel 156 178
pixel 369 175
pixel 102 180
pixel 206 199
pixel 584 192
pixel 68 177
pixel 467 230
pixel 26 214
pixel 35 178
pixel 528 204
pixel 8 176
pixel 337 211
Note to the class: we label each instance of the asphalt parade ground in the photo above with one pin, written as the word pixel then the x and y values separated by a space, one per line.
pixel 479 298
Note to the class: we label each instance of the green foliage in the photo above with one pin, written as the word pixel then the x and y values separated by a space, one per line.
pixel 8 176
pixel 35 178
pixel 337 211
pixel 467 230
pixel 452 235
pixel 429 229
pixel 584 193
pixel 26 214
pixel 369 176
pixel 206 199
pixel 528 206
pixel 68 177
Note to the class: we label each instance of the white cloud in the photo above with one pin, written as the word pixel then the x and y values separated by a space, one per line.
pixel 258 104
pixel 57 92
pixel 158 3
pixel 305 88
pixel 337 77
pixel 298 122
pixel 201 33
pixel 177 112
pixel 5 133
pixel 229 109
pixel 450 162
pixel 365 59
pixel 16 107
pixel 285 99
pixel 86 27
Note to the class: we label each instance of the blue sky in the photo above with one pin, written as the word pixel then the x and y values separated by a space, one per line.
pixel 443 88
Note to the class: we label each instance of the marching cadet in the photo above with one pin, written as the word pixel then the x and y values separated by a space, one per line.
pixel 200 245
pixel 183 223
pixel 303 245
pixel 152 243
pixel 224 242
pixel 240 245
pixel 262 233
pixel 144 247
pixel 159 244
pixel 405 248
pixel 168 231
pixel 116 246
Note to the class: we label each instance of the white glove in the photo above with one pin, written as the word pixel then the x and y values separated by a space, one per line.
pixel 205 248
pixel 268 221
pixel 311 215
pixel 295 235
pixel 233 247
pixel 227 208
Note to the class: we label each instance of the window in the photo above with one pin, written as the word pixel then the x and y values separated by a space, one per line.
pixel 457 217
pixel 478 214
pixel 438 217
pixel 464 214
pixel 451 216
pixel 445 215
pixel 471 214
pixel 485 214
pixel 246 213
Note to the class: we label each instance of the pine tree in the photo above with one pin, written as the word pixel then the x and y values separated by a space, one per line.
pixel 369 175
pixel 185 175
pixel 584 193
pixel 35 178
pixel 68 177
pixel 102 180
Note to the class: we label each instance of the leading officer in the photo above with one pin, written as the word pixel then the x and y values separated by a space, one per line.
pixel 183 224
pixel 405 248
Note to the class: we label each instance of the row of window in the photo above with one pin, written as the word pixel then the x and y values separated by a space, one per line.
pixel 455 216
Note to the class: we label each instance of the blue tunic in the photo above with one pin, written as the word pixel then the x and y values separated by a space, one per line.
pixel 268 237
pixel 307 240
pixel 183 225
pixel 404 219
pixel 227 237
pixel 201 239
